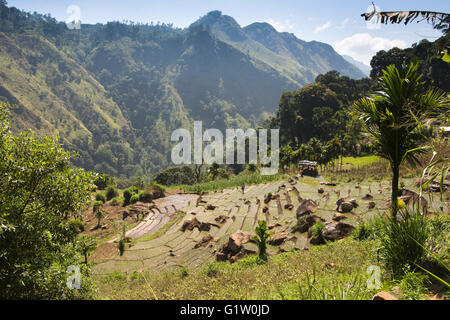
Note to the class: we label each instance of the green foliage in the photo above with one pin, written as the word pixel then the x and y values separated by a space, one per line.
pixel 183 272
pixel 38 190
pixel 86 245
pixel 134 198
pixel 316 229
pixel 100 197
pixel 103 180
pixel 394 117
pixel 261 237
pixel 403 242
pixel 111 192
pixel 175 176
pixel 128 193
pixel 413 285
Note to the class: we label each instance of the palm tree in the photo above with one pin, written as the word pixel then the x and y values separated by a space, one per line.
pixel 393 116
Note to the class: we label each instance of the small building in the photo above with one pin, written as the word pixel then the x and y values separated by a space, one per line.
pixel 308 168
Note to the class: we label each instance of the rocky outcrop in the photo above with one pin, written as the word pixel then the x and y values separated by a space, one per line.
pixel 338 216
pixel 307 206
pixel 234 249
pixel 205 241
pixel 278 238
pixel 336 230
pixel 343 206
pixel 194 223
pixel 304 223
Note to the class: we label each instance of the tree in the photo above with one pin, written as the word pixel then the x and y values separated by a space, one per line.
pixel 39 190
pixel 86 245
pixel 98 212
pixel 394 115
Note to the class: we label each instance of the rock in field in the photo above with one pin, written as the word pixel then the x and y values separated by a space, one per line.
pixel 307 206
pixel 336 230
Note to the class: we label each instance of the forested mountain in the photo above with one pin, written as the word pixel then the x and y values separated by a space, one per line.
pixel 295 59
pixel 115 92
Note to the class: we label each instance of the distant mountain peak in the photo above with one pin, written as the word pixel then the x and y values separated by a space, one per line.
pixel 260 27
pixel 220 23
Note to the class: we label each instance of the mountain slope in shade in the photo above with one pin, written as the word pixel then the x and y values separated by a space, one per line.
pixel 361 66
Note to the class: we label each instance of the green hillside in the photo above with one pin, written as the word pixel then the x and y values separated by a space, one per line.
pixel 114 92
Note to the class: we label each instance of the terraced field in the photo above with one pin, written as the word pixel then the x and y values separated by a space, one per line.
pixel 230 210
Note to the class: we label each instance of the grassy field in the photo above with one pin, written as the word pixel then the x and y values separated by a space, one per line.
pixel 339 270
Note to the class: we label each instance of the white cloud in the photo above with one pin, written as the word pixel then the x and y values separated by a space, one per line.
pixel 343 24
pixel 323 27
pixel 362 46
pixel 282 26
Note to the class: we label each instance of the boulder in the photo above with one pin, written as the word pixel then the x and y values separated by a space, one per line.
pixel 194 223
pixel 307 206
pixel 383 295
pixel 336 230
pixel 307 221
pixel 368 196
pixel 277 238
pixel 345 207
pixel 289 206
pixel 234 249
pixel 273 225
pixel 320 190
pixel 354 203
pixel 338 216
pixel 371 205
pixel 207 238
pixel 221 219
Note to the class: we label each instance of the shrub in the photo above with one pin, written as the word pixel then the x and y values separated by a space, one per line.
pixel 103 180
pixel 115 201
pixel 111 192
pixel 176 176
pixel 145 196
pixel 183 272
pixel 128 193
pixel 100 197
pixel 261 239
pixel 316 229
pixel 403 240
pixel 413 285
pixel 134 198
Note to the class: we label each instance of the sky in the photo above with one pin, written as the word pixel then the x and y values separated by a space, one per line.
pixel 338 23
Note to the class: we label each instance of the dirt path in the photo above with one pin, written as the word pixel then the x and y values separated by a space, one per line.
pixel 159 216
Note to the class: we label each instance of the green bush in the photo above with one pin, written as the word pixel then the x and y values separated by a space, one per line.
pixel 100 197
pixel 145 196
pixel 316 229
pixel 128 193
pixel 111 192
pixel 134 198
pixel 403 240
pixel 413 285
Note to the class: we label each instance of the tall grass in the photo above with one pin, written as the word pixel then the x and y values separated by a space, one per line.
pixel 235 181
pixel 403 240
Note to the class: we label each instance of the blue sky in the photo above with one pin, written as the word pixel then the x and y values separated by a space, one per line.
pixel 335 22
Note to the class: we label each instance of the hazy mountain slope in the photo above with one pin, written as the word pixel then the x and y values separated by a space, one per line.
pixel 361 66
pixel 296 59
